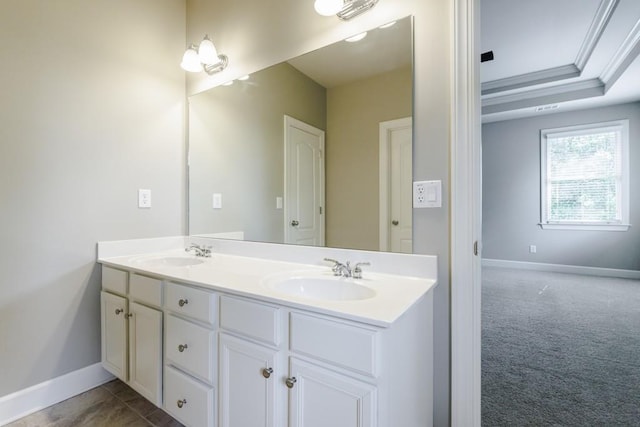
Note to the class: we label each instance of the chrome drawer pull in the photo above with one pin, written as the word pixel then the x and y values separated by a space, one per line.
pixel 118 311
pixel 182 302
pixel 182 402
pixel 266 372
pixel 182 347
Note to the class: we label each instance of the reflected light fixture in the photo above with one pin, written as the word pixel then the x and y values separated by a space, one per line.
pixel 356 38
pixel 344 9
pixel 204 57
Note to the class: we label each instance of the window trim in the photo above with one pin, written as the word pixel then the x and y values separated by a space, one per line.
pixel 618 125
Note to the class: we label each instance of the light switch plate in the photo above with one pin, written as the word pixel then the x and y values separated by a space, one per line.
pixel 144 198
pixel 278 202
pixel 427 194
pixel 217 201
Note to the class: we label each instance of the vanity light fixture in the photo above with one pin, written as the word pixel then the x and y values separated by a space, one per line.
pixel 204 57
pixel 344 9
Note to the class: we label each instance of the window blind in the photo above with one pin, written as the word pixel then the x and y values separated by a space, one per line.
pixel 584 177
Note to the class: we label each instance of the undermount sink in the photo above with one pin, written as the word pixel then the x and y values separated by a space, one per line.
pixel 321 287
pixel 172 261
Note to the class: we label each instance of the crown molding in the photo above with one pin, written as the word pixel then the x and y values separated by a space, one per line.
pixel 543 96
pixel 598 25
pixel 624 56
pixel 596 29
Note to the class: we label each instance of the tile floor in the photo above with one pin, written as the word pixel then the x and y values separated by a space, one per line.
pixel 113 404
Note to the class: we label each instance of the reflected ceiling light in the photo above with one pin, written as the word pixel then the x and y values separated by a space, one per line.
pixel 356 38
pixel 244 77
pixel 229 83
pixel 204 57
pixel 344 9
pixel 390 24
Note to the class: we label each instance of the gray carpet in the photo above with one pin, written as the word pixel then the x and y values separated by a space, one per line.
pixel 559 349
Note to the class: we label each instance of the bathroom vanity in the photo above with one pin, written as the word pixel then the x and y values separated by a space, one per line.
pixel 239 340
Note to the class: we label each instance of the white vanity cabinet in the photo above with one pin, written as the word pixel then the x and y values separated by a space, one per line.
pixel 190 354
pixel 132 330
pixel 215 359
pixel 284 367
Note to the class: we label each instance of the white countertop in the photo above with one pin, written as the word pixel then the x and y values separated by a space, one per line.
pixel 246 276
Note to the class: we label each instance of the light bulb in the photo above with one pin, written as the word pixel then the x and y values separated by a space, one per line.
pixel 207 52
pixel 190 61
pixel 328 7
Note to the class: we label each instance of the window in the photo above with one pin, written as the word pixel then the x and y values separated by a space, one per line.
pixel 585 177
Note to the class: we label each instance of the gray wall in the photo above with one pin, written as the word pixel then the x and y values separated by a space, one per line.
pixel 355 111
pixel 92 108
pixel 511 196
pixel 236 148
pixel 256 34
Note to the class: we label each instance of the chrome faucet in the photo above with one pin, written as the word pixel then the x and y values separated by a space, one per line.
pixel 199 250
pixel 345 270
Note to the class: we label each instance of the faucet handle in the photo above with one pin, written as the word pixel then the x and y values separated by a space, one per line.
pixel 336 266
pixel 357 271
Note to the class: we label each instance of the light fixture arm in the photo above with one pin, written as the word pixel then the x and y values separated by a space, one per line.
pixel 353 8
pixel 216 68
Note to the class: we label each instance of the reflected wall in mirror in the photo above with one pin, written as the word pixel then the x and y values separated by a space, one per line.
pixel 315 150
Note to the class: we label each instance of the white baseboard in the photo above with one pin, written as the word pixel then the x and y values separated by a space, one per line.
pixel 24 402
pixel 561 268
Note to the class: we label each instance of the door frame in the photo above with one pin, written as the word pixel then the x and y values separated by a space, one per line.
pixel 386 128
pixel 289 121
pixel 466 214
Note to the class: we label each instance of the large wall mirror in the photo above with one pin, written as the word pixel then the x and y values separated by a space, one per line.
pixel 316 150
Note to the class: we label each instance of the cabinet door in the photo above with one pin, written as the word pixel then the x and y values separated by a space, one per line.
pixel 247 396
pixel 114 334
pixel 320 397
pixel 145 352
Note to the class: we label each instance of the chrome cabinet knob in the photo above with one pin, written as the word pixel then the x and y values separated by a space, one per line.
pixel 181 403
pixel 395 222
pixel 183 302
pixel 290 382
pixel 182 347
pixel 295 223
pixel 266 372
pixel 118 311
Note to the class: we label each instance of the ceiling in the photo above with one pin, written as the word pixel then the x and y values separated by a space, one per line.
pixel 558 55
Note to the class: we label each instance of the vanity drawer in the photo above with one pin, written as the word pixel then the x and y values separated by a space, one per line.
pixel 192 302
pixel 145 289
pixel 336 342
pixel 187 400
pixel 190 347
pixel 252 319
pixel 114 280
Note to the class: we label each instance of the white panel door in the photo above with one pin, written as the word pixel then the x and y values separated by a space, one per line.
pixel 114 334
pixel 401 177
pixel 145 352
pixel 304 183
pixel 396 177
pixel 248 380
pixel 320 397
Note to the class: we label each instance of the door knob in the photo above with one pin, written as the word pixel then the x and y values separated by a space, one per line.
pixel 182 302
pixel 266 372
pixel 181 403
pixel 118 311
pixel 295 223
pixel 182 347
pixel 395 222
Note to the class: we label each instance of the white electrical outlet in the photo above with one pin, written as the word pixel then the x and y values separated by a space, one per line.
pixel 144 198
pixel 532 249
pixel 217 201
pixel 427 194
